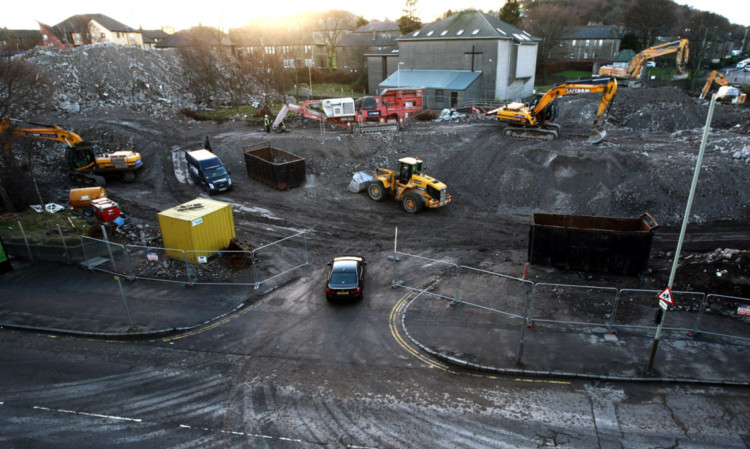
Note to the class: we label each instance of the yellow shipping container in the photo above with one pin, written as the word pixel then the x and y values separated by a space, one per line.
pixel 202 225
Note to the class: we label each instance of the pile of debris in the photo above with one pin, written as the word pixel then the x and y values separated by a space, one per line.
pixel 108 76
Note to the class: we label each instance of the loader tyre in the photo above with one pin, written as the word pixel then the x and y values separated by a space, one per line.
pixel 413 203
pixel 376 190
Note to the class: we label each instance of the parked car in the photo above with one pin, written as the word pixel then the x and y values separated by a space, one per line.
pixel 742 64
pixel 650 64
pixel 346 278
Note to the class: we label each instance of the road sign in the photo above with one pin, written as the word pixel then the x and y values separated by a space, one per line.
pixel 666 296
pixel 663 304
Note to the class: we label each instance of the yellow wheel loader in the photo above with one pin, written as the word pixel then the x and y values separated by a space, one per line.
pixel 409 185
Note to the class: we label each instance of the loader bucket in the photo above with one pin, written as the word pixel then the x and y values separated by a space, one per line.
pixel 597 136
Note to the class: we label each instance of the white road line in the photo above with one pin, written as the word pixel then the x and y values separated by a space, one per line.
pixel 96 415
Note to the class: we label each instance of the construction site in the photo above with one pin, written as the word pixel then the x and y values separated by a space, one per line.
pixel 495 181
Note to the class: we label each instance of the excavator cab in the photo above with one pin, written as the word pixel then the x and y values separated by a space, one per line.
pixel 81 156
pixel 408 167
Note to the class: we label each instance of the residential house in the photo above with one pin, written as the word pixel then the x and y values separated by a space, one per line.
pixel 594 44
pixel 195 37
pixel 468 58
pixel 151 38
pixel 84 29
pixel 374 37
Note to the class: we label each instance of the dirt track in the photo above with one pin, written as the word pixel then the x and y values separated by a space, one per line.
pixel 497 183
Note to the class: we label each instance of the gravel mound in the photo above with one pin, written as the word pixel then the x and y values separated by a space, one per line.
pixel 105 76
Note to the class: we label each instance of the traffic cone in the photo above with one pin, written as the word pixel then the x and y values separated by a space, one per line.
pixel 526 271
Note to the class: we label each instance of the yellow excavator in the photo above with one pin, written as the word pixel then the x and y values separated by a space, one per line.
pixel 409 185
pixel 727 93
pixel 535 121
pixel 87 167
pixel 631 75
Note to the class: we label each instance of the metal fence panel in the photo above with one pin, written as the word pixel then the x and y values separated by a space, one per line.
pixel 279 258
pixel 572 304
pixel 437 278
pixel 106 256
pixel 636 309
pixel 725 316
pixel 224 267
pixel 160 264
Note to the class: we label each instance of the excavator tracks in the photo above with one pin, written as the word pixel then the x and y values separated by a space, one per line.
pixel 531 133
pixel 377 128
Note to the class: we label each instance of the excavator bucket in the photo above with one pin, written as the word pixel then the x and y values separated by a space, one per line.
pixel 597 136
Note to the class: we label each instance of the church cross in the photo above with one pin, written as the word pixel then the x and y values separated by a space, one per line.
pixel 472 53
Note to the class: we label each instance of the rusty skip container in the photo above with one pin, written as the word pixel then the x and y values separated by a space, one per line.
pixel 274 167
pixel 80 198
pixel 589 243
pixel 200 227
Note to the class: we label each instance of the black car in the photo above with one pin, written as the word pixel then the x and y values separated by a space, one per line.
pixel 346 279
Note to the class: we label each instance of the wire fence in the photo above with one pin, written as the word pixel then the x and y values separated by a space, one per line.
pixel 495 299
pixel 224 267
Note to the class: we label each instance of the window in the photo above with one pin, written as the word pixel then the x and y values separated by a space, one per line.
pixel 475 31
pixel 444 32
pixel 439 95
pixel 587 42
pixel 573 43
pixel 431 32
pixel 289 63
pixel 101 35
pixel 459 32
pixel 501 32
pixel 118 34
pixel 416 33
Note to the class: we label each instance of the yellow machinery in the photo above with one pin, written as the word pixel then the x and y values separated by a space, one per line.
pixel 633 72
pixel 727 94
pixel 84 163
pixel 409 185
pixel 535 121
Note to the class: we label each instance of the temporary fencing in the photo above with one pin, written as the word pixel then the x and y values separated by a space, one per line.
pixel 506 301
pixel 225 267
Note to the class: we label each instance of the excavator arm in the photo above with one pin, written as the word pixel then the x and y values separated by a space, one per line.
pixel 607 86
pixel 680 47
pixel 80 155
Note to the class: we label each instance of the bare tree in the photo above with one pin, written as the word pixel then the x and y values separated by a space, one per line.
pixel 701 29
pixel 651 18
pixel 547 21
pixel 24 88
pixel 333 26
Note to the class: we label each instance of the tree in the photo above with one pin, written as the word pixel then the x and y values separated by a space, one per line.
pixel 510 13
pixel 701 29
pixel 547 21
pixel 333 26
pixel 631 42
pixel 651 18
pixel 24 88
pixel 409 21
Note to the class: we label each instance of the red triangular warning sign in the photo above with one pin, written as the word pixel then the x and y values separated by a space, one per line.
pixel 666 296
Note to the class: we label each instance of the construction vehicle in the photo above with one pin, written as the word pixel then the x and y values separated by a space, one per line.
pixel 409 185
pixel 535 121
pixel 87 167
pixel 727 93
pixel 386 112
pixel 631 75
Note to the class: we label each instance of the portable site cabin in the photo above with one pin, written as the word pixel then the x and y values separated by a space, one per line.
pixel 200 227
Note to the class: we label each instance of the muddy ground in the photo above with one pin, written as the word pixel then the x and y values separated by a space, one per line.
pixel 119 98
pixel 497 184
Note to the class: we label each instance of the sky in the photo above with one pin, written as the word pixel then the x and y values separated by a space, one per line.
pixel 153 14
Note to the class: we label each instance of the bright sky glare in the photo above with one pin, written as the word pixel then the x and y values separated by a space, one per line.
pixel 153 14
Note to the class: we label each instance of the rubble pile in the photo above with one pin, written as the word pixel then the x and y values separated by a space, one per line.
pixel 653 109
pixel 108 76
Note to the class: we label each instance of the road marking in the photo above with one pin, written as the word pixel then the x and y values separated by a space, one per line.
pixel 416 352
pixel 95 415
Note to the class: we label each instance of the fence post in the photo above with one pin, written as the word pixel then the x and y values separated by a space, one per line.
pixel 67 255
pixel 109 249
pixel 26 240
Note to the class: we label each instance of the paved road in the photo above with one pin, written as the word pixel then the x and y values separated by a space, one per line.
pixel 292 371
